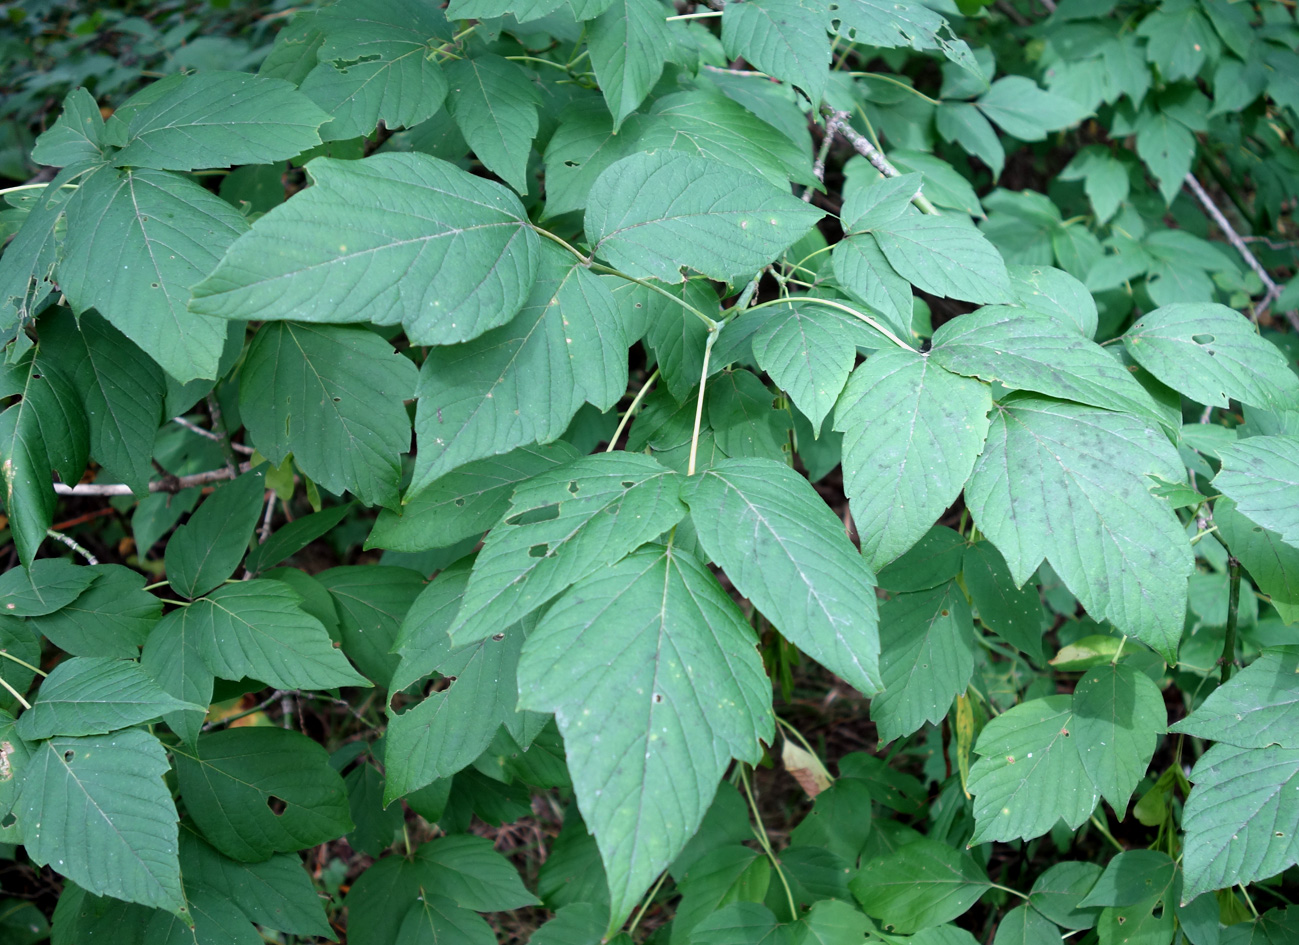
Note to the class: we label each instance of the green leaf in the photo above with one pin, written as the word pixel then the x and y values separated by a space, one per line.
pixel 1272 564
pixel 1241 817
pixel 94 696
pixel 1025 926
pixel 44 429
pixel 234 776
pixel 173 657
pixel 912 432
pixel 578 152
pixel 786 551
pixel 579 923
pixel 808 350
pixel 372 601
pixel 27 266
pixel 259 629
pixel 943 256
pixel 899 24
pixel 119 385
pixel 77 137
pixel 524 382
pixel 1079 497
pixel 651 214
pixel 1026 111
pixel 919 886
pixel 1132 877
pixel 276 893
pixel 742 923
pixel 206 550
pixel 1179 40
pixel 377 64
pixel 216 119
pixel 629 42
pixel 1030 774
pixel 97 810
pixel 834 922
pixel 1256 708
pixel 1167 147
pixel 294 537
pixel 1058 891
pixel 863 272
pixel 935 559
pixel 112 617
pixel 1055 293
pixel 137 241
pixel 522 10
pixel 434 919
pixel 495 106
pixel 444 253
pixel 1212 354
pixel 927 658
pixel 1013 613
pixel 333 397
pixel 724 875
pixel 684 690
pixel 43 587
pixel 963 124
pixel 453 726
pixel 783 38
pixel 1262 475
pixel 714 127
pixel 678 338
pixel 1118 717
pixel 561 526
pixel 465 502
pixel 1031 351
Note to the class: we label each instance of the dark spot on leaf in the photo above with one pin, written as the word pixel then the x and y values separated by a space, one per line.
pixel 276 804
pixel 338 400
pixel 658 697
pixel 538 551
pixel 945 612
pixel 154 284
pixel 498 637
pixel 572 164
pixel 69 755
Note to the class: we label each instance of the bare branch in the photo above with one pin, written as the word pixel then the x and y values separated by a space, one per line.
pixel 167 484
pixel 838 124
pixel 208 434
pixel 72 543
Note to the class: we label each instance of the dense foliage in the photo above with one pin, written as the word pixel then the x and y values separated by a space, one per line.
pixel 423 427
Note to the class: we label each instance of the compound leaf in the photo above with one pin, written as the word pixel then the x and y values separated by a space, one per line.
pixel 333 397
pixel 232 778
pixel 392 238
pixel 1071 484
pixel 651 672
pixel 650 214
pixel 1030 774
pixel 216 119
pixel 786 551
pixel 98 811
pixel 561 526
pixel 137 242
pixel 524 382
pixel 259 629
pixel 94 695
pixel 1212 354
pixel 912 432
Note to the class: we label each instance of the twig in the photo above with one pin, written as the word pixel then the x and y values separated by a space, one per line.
pixel 818 167
pixel 1015 16
pixel 72 543
pixel 208 434
pixel 1233 609
pixel 838 123
pixel 168 484
pixel 265 531
pixel 699 404
pixel 1229 232
pixel 631 409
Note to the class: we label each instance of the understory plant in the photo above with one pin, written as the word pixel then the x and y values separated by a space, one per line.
pixel 458 469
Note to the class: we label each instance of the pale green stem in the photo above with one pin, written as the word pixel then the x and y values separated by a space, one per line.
pixel 695 16
pixel 832 303
pixel 15 693
pixel 644 906
pixel 902 85
pixel 699 404
pixel 760 832
pixel 1105 832
pixel 631 409
pixel 12 658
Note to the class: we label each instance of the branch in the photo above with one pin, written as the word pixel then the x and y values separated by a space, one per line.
pixel 168 484
pixel 1273 290
pixel 208 434
pixel 838 124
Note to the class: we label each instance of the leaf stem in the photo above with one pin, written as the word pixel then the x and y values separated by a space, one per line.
pixel 694 16
pixel 72 543
pixel 1105 832
pixel 1233 607
pixel 832 303
pixel 9 656
pixel 1013 892
pixel 15 693
pixel 839 123
pixel 712 323
pixel 631 409
pixel 760 832
pixel 648 901
pixel 41 186
pixel 902 85
pixel 699 403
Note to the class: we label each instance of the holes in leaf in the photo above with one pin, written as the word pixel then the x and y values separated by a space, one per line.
pixel 538 551
pixel 658 697
pixel 1202 339
pixel 276 804
pixel 338 400
pixel 572 164
pixel 460 503
pixel 498 637
pixel 9 821
pixel 69 755
pixel 627 483
pixel 573 487
pixel 545 513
